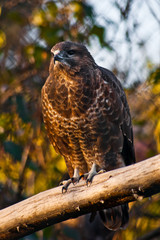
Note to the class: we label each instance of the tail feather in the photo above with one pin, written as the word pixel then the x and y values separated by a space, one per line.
pixel 116 217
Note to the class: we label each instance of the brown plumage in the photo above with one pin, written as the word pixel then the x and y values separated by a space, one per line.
pixel 87 118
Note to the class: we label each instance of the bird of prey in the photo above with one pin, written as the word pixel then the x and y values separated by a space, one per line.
pixel 87 118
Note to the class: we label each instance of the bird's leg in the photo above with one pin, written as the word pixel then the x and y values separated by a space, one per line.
pixel 76 176
pixel 90 175
pixel 73 180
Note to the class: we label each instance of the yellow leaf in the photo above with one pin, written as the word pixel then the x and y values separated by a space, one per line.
pixel 75 6
pixel 156 89
pixel 38 18
pixel 2 39
pixel 157 135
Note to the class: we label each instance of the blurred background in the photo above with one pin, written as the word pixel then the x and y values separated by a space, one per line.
pixel 123 36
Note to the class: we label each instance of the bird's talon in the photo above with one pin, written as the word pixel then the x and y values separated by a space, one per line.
pixel 66 184
pixel 73 180
pixel 61 183
pixel 64 189
pixel 101 171
pixel 82 176
pixel 88 182
pixel 86 176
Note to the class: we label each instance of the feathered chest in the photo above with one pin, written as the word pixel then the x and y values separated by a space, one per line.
pixel 69 96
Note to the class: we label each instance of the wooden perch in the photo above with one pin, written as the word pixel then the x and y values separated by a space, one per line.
pixel 107 190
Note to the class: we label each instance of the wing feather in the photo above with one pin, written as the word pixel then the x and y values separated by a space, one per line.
pixel 124 115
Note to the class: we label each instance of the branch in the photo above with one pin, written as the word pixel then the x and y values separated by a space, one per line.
pixel 151 235
pixel 107 190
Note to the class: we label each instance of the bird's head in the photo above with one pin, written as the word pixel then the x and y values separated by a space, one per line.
pixel 71 55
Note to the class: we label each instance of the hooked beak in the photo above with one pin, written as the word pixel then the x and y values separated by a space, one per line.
pixel 58 56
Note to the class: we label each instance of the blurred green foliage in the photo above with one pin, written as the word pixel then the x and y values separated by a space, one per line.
pixel 28 163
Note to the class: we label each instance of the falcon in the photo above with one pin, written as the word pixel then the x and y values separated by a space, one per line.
pixel 88 120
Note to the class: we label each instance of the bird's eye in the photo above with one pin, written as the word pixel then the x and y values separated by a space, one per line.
pixel 71 52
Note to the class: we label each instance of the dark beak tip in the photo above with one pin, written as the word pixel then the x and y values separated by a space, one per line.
pixel 57 57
